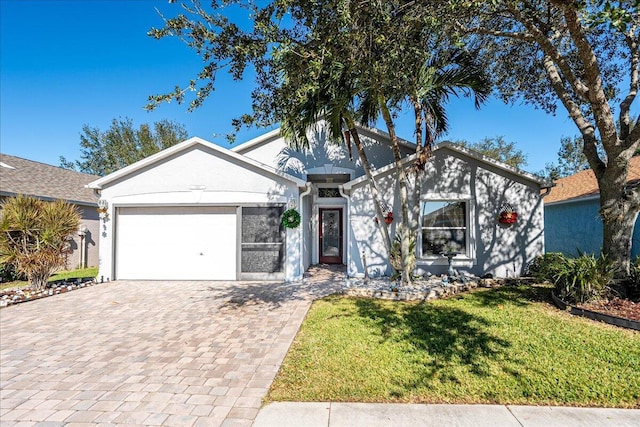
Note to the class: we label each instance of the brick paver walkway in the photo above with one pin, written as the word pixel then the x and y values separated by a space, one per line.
pixel 149 353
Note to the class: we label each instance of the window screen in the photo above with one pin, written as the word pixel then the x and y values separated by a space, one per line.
pixel 262 240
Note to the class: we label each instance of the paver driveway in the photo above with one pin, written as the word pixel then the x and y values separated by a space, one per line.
pixel 148 353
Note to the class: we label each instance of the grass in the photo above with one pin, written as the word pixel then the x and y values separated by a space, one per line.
pixel 82 272
pixel 502 346
pixel 62 275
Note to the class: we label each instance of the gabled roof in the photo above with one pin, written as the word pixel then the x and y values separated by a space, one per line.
pixel 22 176
pixel 257 141
pixel 183 146
pixel 583 185
pixel 270 136
pixel 467 152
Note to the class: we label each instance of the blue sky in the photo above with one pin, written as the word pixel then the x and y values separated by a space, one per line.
pixel 64 64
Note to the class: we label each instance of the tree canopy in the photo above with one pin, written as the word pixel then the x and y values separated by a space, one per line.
pixel 571 159
pixel 122 145
pixel 499 149
pixel 342 61
pixel 580 55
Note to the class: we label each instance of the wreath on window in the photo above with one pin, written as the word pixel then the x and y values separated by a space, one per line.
pixel 291 218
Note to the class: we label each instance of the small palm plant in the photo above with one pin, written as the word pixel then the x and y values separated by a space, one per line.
pixel 585 278
pixel 395 257
pixel 34 234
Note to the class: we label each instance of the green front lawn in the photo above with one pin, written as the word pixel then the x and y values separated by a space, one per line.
pixel 506 346
pixel 62 275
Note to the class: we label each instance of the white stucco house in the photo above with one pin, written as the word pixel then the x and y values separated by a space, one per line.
pixel 198 211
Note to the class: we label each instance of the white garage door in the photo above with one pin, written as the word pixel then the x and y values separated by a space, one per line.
pixel 176 243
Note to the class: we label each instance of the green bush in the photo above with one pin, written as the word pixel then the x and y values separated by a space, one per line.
pixel 577 280
pixel 395 258
pixel 8 273
pixel 584 279
pixel 545 268
pixel 33 235
pixel 633 284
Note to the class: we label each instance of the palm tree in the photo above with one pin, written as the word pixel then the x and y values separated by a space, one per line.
pixel 347 71
pixel 447 73
pixel 33 236
pixel 332 101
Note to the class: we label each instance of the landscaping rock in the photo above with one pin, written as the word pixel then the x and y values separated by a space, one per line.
pixel 428 288
pixel 16 296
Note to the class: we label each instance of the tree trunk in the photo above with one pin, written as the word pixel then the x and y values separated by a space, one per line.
pixel 375 194
pixel 617 235
pixel 423 151
pixel 418 168
pixel 39 279
pixel 405 242
pixel 619 212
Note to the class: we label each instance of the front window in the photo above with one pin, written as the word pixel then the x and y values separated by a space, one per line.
pixel 444 227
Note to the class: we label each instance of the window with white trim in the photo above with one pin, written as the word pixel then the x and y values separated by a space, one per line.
pixel 444 226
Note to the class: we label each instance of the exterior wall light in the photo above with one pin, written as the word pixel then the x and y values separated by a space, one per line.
pixel 103 207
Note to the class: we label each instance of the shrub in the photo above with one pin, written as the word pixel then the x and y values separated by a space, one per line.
pixel 8 273
pixel 576 280
pixel 545 268
pixel 584 279
pixel 633 284
pixel 33 235
pixel 395 258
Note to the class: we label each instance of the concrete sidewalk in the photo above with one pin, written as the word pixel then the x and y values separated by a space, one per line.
pixel 320 414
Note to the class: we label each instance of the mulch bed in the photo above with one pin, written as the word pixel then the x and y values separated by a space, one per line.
pixel 618 307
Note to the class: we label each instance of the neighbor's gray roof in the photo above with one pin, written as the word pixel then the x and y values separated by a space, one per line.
pixel 22 176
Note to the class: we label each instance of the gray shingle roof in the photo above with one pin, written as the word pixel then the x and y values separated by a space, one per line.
pixel 22 176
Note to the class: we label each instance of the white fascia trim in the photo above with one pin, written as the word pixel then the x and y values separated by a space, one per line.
pixel 385 169
pixel 4 165
pixel 373 132
pixel 256 141
pixel 458 149
pixel 99 184
pixel 488 160
pixel 380 133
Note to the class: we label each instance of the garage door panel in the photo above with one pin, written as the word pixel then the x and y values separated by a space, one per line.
pixel 176 243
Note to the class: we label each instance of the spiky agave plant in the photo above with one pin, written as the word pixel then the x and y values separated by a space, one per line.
pixel 34 234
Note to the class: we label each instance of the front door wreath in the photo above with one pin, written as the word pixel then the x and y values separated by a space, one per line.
pixel 290 218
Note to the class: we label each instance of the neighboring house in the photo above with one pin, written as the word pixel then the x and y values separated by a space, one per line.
pixel 197 211
pixel 46 182
pixel 572 222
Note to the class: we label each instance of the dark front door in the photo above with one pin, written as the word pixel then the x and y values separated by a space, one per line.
pixel 331 236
